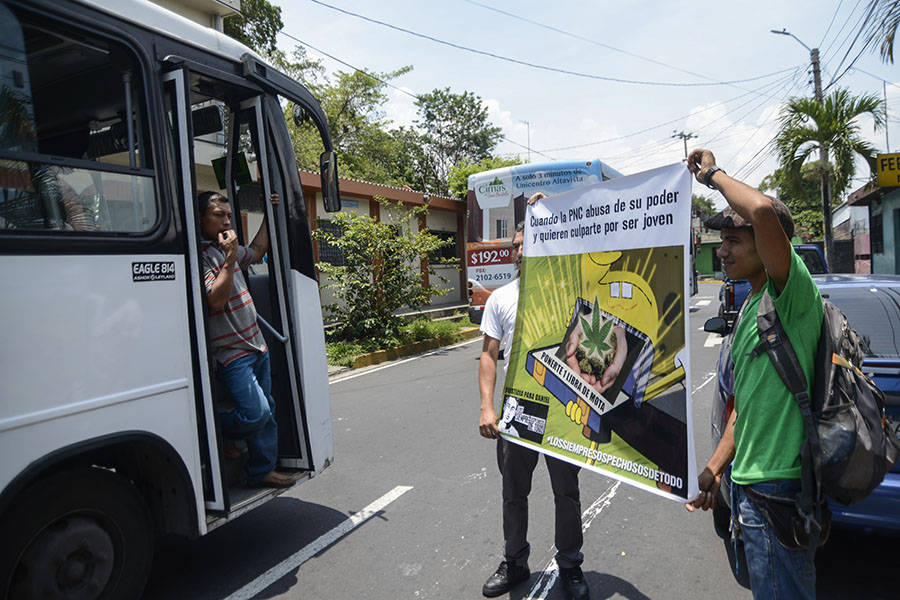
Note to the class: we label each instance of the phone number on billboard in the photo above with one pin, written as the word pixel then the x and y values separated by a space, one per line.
pixel 493 276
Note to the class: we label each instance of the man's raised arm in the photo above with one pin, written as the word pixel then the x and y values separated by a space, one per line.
pixel 772 243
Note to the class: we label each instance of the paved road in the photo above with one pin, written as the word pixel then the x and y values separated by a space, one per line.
pixel 408 454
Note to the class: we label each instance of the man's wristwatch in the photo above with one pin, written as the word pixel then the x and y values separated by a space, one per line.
pixel 709 174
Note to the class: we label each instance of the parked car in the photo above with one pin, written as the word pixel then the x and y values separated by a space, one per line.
pixel 734 291
pixel 872 306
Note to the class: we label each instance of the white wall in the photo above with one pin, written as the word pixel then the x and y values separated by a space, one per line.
pixel 442 220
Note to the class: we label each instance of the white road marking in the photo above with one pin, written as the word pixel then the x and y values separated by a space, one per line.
pixel 713 339
pixel 709 378
pixel 406 360
pixel 323 541
pixel 548 577
pixel 703 303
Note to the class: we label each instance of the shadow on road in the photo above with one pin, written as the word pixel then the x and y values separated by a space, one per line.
pixel 602 586
pixel 218 564
pixel 850 565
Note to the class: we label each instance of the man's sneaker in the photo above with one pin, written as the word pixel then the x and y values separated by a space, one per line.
pixel 504 578
pixel 574 584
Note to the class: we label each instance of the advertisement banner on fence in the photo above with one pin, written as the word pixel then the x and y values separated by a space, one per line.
pixel 599 366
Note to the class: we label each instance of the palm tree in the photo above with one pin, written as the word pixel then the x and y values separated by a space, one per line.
pixel 881 26
pixel 829 127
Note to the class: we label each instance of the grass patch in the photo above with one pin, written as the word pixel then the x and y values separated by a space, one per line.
pixel 344 352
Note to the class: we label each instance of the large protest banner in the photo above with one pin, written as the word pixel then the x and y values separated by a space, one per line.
pixel 599 366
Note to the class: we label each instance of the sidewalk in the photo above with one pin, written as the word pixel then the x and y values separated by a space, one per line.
pixel 365 361
pixel 435 311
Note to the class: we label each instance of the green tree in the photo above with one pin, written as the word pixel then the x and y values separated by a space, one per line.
pixel 831 129
pixel 806 197
pixel 257 26
pixel 881 27
pixel 459 173
pixel 367 147
pixel 702 206
pixel 804 203
pixel 382 273
pixel 454 127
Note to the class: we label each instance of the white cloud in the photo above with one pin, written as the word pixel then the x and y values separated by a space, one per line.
pixel 400 107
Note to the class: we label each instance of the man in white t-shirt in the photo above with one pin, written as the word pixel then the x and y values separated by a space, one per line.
pixel 517 462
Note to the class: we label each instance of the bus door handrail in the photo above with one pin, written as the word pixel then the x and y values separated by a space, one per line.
pixel 267 326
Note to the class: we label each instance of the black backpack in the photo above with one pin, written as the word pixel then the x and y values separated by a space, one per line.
pixel 849 447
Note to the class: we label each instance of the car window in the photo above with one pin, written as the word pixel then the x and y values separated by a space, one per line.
pixel 812 260
pixel 874 312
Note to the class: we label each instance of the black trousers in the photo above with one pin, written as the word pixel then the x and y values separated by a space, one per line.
pixel 517 465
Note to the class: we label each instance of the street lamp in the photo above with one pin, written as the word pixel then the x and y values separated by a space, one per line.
pixel 528 130
pixel 823 153
pixel 813 58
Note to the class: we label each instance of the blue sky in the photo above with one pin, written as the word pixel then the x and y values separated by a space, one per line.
pixel 629 125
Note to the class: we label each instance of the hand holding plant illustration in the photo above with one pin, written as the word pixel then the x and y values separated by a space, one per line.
pixel 596 350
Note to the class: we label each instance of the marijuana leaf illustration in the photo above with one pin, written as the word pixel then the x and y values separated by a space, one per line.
pixel 595 334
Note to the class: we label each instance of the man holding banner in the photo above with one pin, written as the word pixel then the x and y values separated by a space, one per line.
pixel 597 369
pixel 765 432
pixel 517 463
pixel 598 366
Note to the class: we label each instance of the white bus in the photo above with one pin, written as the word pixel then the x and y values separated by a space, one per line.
pixel 116 113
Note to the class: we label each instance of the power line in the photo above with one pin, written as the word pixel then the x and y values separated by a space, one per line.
pixel 534 65
pixel 836 11
pixel 837 36
pixel 631 157
pixel 390 85
pixel 591 41
pixel 675 120
pixel 882 79
pixel 850 47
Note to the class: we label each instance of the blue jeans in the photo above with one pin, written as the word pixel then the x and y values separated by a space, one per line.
pixel 253 419
pixel 775 571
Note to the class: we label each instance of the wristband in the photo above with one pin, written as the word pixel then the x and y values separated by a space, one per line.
pixel 709 174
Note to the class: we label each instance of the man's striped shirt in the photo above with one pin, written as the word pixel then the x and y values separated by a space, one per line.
pixel 233 331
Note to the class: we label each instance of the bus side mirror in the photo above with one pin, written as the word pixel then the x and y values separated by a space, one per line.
pixel 299 115
pixel 331 195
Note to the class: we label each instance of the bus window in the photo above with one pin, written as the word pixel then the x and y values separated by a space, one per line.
pixel 72 141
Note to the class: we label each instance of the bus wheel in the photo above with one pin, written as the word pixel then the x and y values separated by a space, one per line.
pixel 79 534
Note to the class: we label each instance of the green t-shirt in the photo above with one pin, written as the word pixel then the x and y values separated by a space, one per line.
pixel 769 428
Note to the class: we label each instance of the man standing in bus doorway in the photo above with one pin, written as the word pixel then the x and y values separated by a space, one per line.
pixel 517 463
pixel 238 346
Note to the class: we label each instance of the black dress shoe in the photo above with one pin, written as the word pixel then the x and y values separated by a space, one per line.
pixel 504 578
pixel 574 584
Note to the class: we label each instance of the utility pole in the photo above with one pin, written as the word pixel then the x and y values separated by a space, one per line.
pixel 528 131
pixel 823 154
pixel 685 137
pixel 823 162
pixel 887 142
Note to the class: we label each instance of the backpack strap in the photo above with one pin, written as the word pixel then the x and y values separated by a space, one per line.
pixel 774 342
